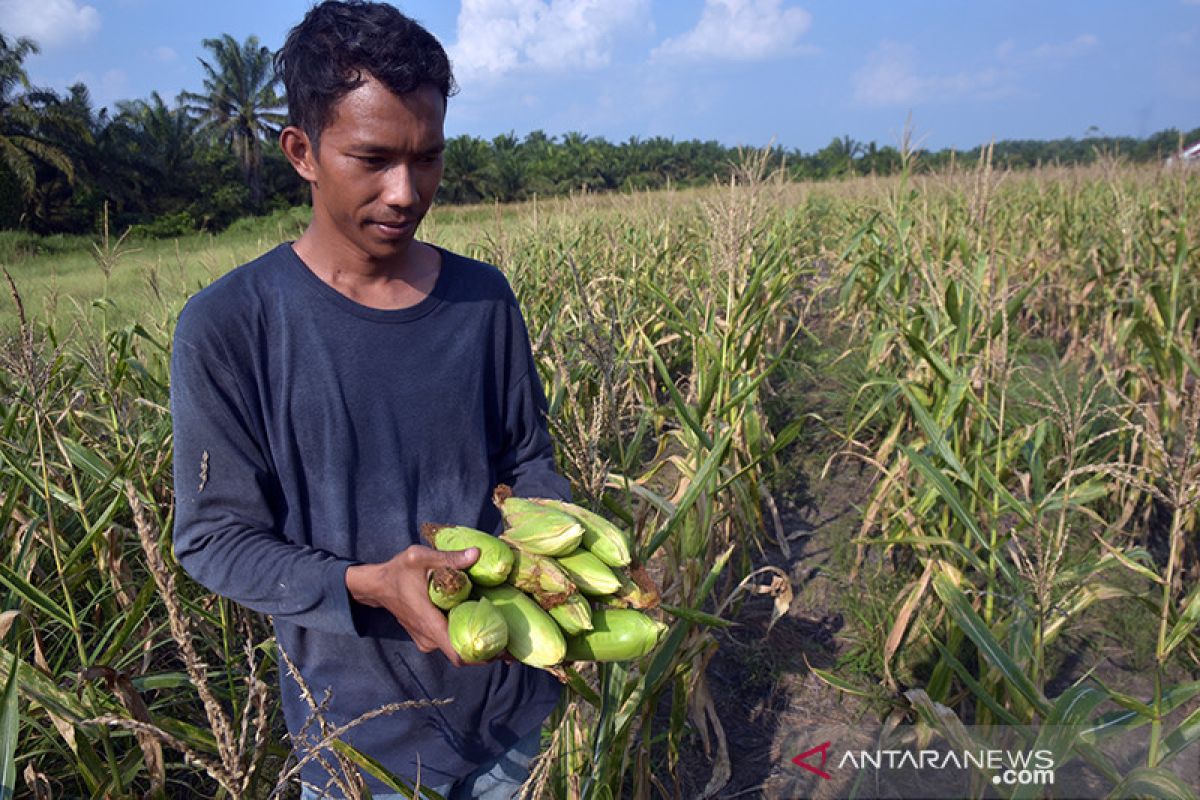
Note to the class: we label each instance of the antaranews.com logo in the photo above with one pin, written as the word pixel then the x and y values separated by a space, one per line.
pixel 907 762
pixel 1008 767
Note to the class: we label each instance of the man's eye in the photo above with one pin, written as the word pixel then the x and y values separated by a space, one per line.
pixel 371 161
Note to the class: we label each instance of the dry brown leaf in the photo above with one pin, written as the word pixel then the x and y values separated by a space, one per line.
pixel 121 686
pixel 6 621
pixel 902 620
pixel 703 713
pixel 37 783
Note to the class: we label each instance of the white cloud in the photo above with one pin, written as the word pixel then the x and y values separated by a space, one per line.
pixel 164 54
pixel 890 78
pixel 1010 53
pixel 498 36
pixel 739 30
pixel 1078 46
pixel 49 22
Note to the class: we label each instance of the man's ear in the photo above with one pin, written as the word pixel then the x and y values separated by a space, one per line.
pixel 299 151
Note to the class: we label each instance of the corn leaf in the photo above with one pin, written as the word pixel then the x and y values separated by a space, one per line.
pixel 1062 728
pixel 950 495
pixel 681 407
pixel 32 595
pixel 380 773
pixel 1180 739
pixel 1144 782
pixel 701 479
pixel 981 694
pixel 964 615
pixel 10 721
pixel 1186 623
pixel 699 617
pixel 841 684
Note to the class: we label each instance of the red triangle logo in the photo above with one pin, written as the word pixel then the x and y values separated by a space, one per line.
pixel 823 749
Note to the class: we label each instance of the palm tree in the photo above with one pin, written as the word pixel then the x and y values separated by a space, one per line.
pixel 239 104
pixel 22 117
pixel 468 174
pixel 164 137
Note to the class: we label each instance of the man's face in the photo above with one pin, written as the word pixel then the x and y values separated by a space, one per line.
pixel 377 169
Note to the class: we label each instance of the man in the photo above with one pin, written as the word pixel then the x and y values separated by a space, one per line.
pixel 339 391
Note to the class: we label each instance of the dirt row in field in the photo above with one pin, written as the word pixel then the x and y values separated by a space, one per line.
pixel 768 700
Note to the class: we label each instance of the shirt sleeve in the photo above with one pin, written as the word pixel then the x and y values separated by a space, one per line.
pixel 227 502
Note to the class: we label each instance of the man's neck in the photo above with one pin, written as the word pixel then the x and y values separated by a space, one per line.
pixel 400 282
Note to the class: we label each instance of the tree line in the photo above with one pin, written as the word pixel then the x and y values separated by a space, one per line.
pixel 208 158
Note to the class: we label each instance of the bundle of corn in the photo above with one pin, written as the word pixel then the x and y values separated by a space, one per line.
pixel 558 561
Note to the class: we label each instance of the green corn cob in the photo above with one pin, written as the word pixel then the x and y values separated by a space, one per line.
pixel 495 557
pixel 477 630
pixel 589 574
pixel 533 637
pixel 603 539
pixel 618 634
pixel 539 575
pixel 536 529
pixel 448 587
pixel 573 614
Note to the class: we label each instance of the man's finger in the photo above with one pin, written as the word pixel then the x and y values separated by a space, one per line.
pixel 460 559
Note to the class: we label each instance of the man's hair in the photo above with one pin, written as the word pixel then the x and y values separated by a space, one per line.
pixel 340 43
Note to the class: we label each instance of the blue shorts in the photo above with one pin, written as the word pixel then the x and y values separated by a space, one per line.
pixel 500 779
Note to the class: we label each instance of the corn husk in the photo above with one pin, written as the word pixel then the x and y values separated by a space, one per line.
pixel 535 528
pixel 448 587
pixel 495 557
pixel 638 590
pixel 603 539
pixel 541 577
pixel 573 615
pixel 534 638
pixel 477 630
pixel 589 574
pixel 618 634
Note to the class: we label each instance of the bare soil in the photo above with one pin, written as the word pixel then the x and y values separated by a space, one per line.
pixel 761 681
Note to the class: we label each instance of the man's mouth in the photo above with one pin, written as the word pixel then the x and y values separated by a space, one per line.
pixel 394 228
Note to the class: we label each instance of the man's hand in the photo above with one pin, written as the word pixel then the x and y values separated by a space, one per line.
pixel 401 585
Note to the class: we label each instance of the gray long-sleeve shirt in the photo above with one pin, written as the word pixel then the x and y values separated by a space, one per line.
pixel 313 433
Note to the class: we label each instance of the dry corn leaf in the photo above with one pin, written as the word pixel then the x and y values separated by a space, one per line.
pixel 902 620
pixel 779 587
pixel 65 729
pixel 37 783
pixel 120 685
pixel 6 621
pixel 703 713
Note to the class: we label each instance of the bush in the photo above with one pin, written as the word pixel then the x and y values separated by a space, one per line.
pixel 289 222
pixel 20 245
pixel 167 226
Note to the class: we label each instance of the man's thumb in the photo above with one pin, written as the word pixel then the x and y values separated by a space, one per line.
pixel 461 559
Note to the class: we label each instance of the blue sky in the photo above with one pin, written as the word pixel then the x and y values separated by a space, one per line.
pixel 740 71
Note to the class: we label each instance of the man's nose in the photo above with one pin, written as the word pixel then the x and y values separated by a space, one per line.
pixel 399 188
